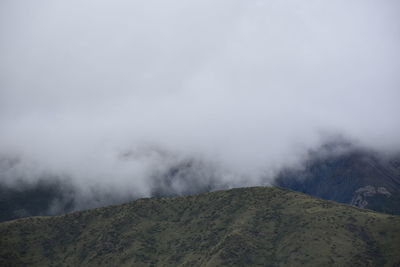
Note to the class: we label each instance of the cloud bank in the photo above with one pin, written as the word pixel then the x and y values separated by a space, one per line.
pixel 111 94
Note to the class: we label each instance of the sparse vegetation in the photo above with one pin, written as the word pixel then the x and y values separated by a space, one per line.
pixel 260 226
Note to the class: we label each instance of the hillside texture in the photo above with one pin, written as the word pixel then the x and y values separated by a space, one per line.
pixel 260 226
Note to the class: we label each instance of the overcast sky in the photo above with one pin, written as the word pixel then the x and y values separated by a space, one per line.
pixel 108 92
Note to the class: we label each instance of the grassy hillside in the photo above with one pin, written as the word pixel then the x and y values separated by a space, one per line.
pixel 257 226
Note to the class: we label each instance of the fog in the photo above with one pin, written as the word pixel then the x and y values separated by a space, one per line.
pixel 110 94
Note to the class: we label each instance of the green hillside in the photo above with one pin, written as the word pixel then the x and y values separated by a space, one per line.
pixel 260 226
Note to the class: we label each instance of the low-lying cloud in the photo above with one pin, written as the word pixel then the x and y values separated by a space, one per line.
pixel 111 94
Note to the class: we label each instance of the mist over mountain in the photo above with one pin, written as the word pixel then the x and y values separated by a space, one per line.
pixel 124 99
pixel 336 171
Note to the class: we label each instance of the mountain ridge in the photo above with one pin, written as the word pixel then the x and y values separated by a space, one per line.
pixel 245 226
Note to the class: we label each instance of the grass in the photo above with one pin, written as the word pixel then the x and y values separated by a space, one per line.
pixel 259 226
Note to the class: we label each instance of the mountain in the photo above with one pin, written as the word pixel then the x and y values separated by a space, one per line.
pixel 358 178
pixel 259 226
pixel 45 197
pixel 55 195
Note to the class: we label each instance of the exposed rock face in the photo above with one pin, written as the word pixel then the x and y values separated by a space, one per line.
pixel 361 195
pixel 383 191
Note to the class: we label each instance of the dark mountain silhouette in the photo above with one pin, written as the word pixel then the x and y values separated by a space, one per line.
pixel 356 177
pixel 45 197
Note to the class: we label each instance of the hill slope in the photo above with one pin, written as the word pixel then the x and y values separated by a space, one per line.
pixel 247 226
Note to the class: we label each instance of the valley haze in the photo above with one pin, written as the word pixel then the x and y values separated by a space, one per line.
pixel 110 97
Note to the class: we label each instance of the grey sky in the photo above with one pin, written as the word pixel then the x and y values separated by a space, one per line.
pixel 249 86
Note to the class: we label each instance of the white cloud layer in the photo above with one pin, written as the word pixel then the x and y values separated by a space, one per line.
pixel 248 86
